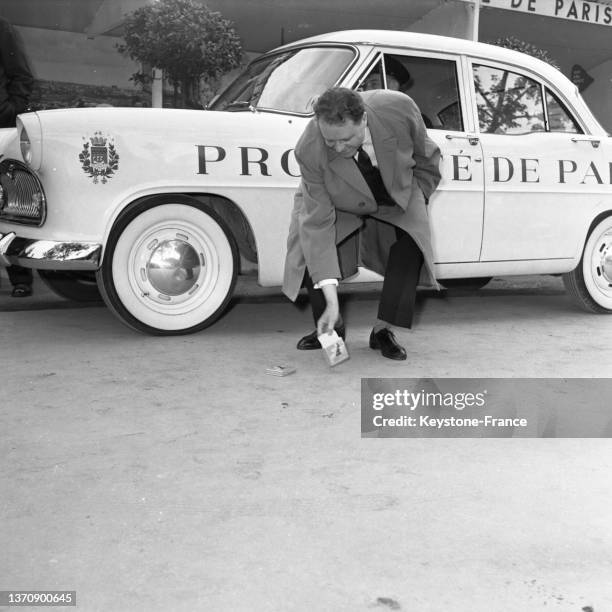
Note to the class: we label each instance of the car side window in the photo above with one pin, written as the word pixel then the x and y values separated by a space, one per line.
pixel 431 82
pixel 559 118
pixel 507 102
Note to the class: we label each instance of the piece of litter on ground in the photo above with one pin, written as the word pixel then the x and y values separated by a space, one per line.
pixel 387 601
pixel 280 370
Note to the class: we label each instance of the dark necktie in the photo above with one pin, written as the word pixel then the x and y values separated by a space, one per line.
pixel 363 160
pixel 372 177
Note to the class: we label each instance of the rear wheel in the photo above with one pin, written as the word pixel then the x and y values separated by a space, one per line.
pixel 76 286
pixel 170 266
pixel 590 284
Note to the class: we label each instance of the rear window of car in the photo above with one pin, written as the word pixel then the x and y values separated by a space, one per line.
pixel 512 103
pixel 507 102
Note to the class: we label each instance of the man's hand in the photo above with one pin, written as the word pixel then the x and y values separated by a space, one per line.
pixel 328 320
pixel 331 314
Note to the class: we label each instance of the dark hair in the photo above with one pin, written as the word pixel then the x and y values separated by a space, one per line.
pixel 338 104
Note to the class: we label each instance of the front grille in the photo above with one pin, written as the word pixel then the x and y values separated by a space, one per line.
pixel 22 199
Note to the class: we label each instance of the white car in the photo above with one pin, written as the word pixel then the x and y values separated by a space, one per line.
pixel 163 206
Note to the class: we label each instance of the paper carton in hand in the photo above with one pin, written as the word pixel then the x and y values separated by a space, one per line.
pixel 334 348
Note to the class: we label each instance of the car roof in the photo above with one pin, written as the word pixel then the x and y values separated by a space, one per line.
pixel 433 42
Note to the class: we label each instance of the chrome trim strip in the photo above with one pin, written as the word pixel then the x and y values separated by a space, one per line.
pixel 49 254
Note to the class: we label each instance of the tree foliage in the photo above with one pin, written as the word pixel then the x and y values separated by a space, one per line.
pixel 516 44
pixel 507 102
pixel 185 39
pixel 510 102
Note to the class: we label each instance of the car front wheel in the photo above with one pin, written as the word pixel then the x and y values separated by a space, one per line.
pixel 590 284
pixel 170 266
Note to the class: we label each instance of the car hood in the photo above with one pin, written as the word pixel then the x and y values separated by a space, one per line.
pixel 163 121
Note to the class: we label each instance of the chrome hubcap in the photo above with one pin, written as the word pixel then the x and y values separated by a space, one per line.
pixel 606 266
pixel 602 262
pixel 173 267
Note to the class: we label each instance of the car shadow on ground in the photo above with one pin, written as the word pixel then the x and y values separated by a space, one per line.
pixel 249 292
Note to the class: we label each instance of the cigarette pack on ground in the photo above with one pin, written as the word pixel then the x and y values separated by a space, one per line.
pixel 334 349
pixel 280 370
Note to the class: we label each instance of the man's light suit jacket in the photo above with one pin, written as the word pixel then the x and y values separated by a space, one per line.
pixel 333 197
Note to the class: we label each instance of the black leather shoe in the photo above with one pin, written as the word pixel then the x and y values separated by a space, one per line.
pixel 21 290
pixel 385 341
pixel 310 342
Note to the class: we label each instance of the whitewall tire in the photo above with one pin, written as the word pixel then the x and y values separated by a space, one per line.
pixel 169 267
pixel 590 284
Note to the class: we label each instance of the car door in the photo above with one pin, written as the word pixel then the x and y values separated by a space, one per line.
pixel 541 170
pixel 435 81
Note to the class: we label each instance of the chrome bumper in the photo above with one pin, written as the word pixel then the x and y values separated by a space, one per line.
pixel 48 254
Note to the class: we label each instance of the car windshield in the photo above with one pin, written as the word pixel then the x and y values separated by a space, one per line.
pixel 288 82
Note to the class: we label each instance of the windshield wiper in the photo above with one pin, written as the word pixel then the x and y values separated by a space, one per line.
pixel 241 105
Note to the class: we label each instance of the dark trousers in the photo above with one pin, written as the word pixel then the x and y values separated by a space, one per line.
pixel 19 276
pixel 396 305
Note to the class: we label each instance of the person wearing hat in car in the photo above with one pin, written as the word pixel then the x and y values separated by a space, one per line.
pixel 397 76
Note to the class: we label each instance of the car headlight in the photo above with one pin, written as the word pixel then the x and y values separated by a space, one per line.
pixel 22 199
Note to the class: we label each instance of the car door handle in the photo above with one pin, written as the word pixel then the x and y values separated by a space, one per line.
pixel 473 140
pixel 594 143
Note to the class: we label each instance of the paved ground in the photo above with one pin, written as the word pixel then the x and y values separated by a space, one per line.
pixel 174 474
